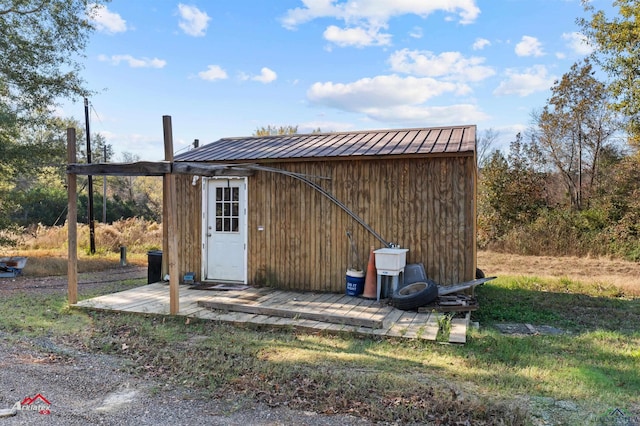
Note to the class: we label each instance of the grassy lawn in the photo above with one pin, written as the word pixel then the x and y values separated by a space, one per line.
pixel 575 377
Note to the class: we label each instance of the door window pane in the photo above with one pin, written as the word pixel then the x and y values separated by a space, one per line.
pixel 228 209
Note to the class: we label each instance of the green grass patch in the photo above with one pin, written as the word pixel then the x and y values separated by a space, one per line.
pixel 559 302
pixel 40 315
pixel 493 379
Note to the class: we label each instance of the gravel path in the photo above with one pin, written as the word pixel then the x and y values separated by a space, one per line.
pixel 87 282
pixel 86 388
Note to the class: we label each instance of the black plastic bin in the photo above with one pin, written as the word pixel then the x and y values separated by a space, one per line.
pixel 154 269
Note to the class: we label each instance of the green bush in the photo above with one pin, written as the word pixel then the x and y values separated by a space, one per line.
pixel 562 232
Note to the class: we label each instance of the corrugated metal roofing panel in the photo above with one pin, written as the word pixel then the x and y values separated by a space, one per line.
pixel 436 140
pixel 417 141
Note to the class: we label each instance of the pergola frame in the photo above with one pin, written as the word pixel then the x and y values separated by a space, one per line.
pixel 167 169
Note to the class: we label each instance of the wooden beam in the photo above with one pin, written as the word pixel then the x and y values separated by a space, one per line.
pixel 170 220
pixel 72 221
pixel 209 169
pixel 292 313
pixel 140 168
pixel 158 168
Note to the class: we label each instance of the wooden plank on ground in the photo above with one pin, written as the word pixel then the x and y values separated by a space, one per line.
pixel 287 313
pixel 275 298
pixel 303 301
pixel 372 309
pixel 417 326
pixel 191 307
pixel 353 307
pixel 458 333
pixel 430 331
pixel 241 296
pixel 388 321
pixel 333 306
pixel 125 301
pixel 399 328
pixel 318 305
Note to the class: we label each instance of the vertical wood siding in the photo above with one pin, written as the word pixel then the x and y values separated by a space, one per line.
pixel 425 205
pixel 189 201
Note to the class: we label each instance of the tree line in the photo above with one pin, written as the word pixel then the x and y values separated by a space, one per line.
pixel 568 185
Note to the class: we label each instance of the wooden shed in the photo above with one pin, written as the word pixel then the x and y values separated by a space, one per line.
pixel 279 210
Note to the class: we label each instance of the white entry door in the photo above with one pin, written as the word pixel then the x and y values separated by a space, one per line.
pixel 225 230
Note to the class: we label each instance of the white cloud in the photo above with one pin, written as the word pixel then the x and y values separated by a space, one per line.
pixel 529 46
pixel 416 32
pixel 578 43
pixel 357 36
pixel 428 115
pixel 394 99
pixel 106 21
pixel 480 43
pixel 193 22
pixel 266 76
pixel 133 62
pixel 325 126
pixel 365 18
pixel 450 65
pixel 377 11
pixel 379 92
pixel 534 79
pixel 125 145
pixel 213 73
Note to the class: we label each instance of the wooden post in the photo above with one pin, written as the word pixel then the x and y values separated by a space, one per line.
pixel 72 220
pixel 169 219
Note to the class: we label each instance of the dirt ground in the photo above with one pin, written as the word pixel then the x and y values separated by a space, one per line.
pixel 85 388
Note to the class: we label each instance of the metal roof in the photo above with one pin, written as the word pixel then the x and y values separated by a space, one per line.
pixel 376 143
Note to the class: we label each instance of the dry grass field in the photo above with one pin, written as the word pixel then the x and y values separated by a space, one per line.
pixel 622 274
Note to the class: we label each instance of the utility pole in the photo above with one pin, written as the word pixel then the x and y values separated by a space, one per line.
pixel 104 188
pixel 92 228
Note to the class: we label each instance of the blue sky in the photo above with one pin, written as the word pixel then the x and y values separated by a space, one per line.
pixel 226 68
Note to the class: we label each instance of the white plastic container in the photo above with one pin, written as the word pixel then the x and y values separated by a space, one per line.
pixel 390 259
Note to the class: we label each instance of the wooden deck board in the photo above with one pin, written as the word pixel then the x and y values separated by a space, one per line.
pixel 326 308
pixel 400 327
pixel 430 331
pixel 458 333
pixel 320 302
pixel 128 298
pixel 388 322
pixel 285 311
pixel 154 299
pixel 417 326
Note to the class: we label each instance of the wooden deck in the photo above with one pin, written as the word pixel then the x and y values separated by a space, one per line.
pixel 315 312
